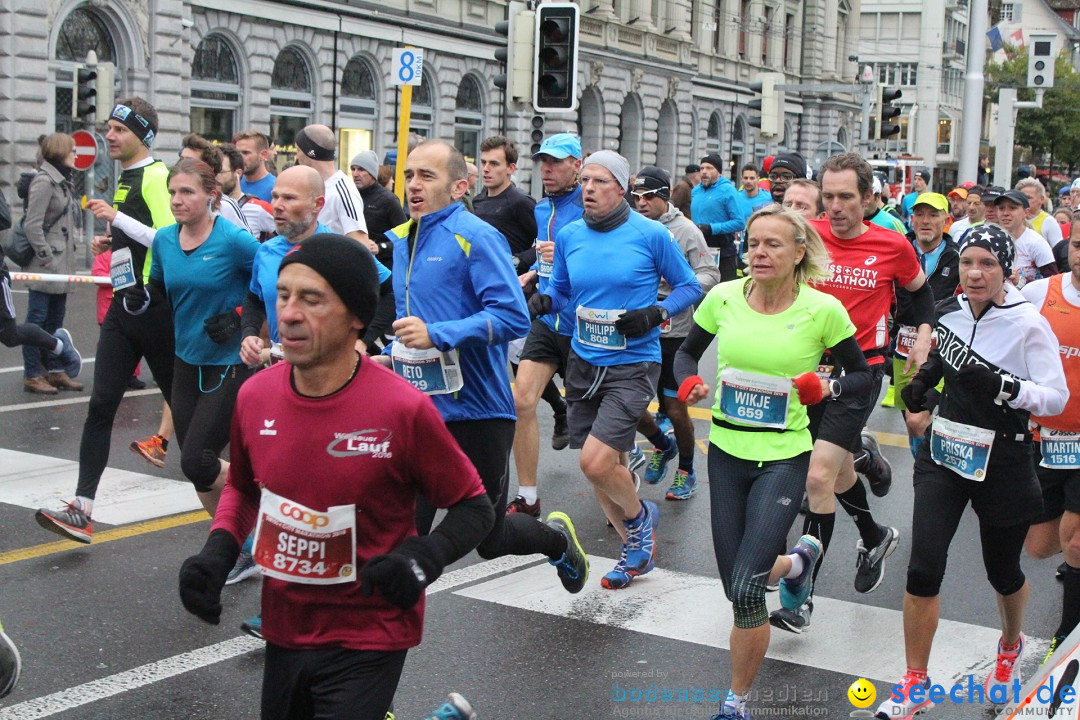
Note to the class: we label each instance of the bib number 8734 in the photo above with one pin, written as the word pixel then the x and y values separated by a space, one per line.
pixel 292 564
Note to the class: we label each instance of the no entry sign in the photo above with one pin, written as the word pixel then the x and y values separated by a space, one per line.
pixel 85 149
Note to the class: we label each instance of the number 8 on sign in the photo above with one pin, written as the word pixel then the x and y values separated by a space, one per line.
pixel 407 67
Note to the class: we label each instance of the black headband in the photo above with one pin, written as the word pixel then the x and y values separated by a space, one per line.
pixel 312 149
pixel 134 122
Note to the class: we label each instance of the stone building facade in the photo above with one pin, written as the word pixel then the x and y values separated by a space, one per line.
pixel 662 81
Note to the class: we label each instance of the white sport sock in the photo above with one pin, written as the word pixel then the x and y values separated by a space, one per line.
pixel 59 347
pixel 797 565
pixel 528 493
pixel 85 504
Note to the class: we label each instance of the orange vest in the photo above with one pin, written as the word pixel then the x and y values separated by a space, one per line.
pixel 1064 319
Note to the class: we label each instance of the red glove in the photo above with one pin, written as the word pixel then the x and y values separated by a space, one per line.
pixel 688 386
pixel 809 386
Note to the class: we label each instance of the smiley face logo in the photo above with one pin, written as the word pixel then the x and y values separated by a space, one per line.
pixel 861 693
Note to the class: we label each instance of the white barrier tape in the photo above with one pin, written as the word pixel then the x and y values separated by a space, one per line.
pixel 44 277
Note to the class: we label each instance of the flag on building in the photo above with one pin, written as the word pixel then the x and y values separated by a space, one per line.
pixel 994 36
pixel 1017 38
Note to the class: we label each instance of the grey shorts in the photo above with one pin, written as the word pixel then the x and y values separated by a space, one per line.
pixel 606 402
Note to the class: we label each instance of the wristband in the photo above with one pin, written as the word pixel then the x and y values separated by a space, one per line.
pixel 687 387
pixel 809 386
pixel 1010 388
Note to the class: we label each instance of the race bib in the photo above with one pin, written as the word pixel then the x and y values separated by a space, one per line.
pixel 430 371
pixel 964 449
pixel 665 327
pixel 297 544
pixel 121 269
pixel 1060 449
pixel 277 354
pixel 596 328
pixel 543 269
pixel 824 371
pixel 906 337
pixel 751 399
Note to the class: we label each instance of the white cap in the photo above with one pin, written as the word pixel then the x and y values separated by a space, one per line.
pixel 1076 184
pixel 877 185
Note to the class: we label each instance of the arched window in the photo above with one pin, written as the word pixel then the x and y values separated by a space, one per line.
pixel 82 31
pixel 292 101
pixel 215 89
pixel 630 127
pixel 591 119
pixel 468 118
pixel 359 109
pixel 667 132
pixel 422 115
pixel 714 134
pixel 740 153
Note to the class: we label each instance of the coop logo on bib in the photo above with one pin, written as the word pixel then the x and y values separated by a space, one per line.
pixel 373 442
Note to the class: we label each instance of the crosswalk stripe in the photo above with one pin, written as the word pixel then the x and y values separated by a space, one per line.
pixel 841 639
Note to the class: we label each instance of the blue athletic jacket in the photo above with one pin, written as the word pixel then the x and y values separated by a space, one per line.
pixel 457 276
pixel 553 213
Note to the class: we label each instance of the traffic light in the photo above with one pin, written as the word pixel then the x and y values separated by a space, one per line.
pixel 770 104
pixel 555 73
pixel 537 135
pixel 885 111
pixel 105 87
pixel 1041 61
pixel 517 55
pixel 84 96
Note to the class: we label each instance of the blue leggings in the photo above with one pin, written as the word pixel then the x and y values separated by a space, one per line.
pixel 754 504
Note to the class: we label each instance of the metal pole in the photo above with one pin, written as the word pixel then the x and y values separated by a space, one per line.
pixel 88 217
pixel 1004 149
pixel 867 105
pixel 971 127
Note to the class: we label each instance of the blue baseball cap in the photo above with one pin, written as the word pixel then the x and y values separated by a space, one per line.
pixel 559 146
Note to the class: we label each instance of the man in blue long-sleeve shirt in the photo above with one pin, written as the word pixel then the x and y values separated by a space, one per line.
pixel 719 213
pixel 607 266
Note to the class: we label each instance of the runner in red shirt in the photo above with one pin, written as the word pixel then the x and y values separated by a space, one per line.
pixel 867 261
pixel 329 451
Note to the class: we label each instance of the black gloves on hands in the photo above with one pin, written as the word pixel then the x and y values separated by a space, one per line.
pixel 635 323
pixel 914 395
pixel 539 305
pixel 202 576
pixel 135 298
pixel 222 327
pixel 402 574
pixel 981 380
pixel 706 230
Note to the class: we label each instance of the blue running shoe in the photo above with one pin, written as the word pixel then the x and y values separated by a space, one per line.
pixel 245 566
pixel 635 458
pixel 640 543
pixel 793 593
pixel 619 576
pixel 664 423
pixel 253 626
pixel 659 460
pixel 69 354
pixel 683 487
pixel 455 708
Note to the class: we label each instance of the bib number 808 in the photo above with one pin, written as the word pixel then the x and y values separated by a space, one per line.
pixel 304 567
pixel 750 413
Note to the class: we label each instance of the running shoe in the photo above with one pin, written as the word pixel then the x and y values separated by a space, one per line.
pixel 1055 643
pixel 635 458
pixel 560 436
pixel 664 423
pixel 71 522
pixel 890 397
pixel 796 621
pixel 658 462
pixel 390 715
pixel 455 708
pixel 620 576
pixel 870 564
pixel 878 471
pixel 135 383
pixel 151 449
pixel 253 626
pixel 10 664
pixel 1006 667
pixel 520 505
pixel 905 708
pixel 731 710
pixel 729 714
pixel 795 591
pixel 69 354
pixel 573 566
pixel 640 540
pixel 683 486
pixel 245 566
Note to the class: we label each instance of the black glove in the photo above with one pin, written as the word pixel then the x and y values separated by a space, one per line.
pixel 981 380
pixel 402 574
pixel 135 298
pixel 222 327
pixel 539 305
pixel 202 576
pixel 635 323
pixel 706 230
pixel 914 395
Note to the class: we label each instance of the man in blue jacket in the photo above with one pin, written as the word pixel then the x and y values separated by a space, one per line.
pixel 607 267
pixel 458 304
pixel 719 213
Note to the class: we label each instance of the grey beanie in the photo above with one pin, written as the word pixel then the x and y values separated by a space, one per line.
pixel 367 160
pixel 613 162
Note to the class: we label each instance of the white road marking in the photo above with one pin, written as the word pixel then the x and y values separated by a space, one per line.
pixel 82 398
pixel 35 481
pixel 106 687
pixel 839 639
pixel 19 368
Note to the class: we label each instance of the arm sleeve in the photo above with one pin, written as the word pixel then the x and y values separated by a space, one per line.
pixel 34 220
pixel 252 316
pixel 142 234
pixel 856 378
pixel 922 306
pixel 689 353
pixel 503 315
pixel 1045 391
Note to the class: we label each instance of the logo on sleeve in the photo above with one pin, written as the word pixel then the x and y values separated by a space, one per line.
pixel 268 428
pixel 374 442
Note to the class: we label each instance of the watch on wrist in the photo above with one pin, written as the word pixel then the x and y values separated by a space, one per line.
pixel 663 313
pixel 834 388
